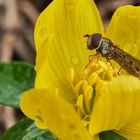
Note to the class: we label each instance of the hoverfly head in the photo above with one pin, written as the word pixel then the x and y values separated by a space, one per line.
pixel 93 41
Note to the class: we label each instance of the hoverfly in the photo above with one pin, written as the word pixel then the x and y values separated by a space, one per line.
pixel 107 49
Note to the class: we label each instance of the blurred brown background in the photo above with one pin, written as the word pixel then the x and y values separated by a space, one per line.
pixel 17 20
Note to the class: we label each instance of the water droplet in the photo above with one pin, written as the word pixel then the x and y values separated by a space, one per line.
pixel 9 87
pixel 79 41
pixel 134 46
pixel 132 16
pixel 42 33
pixel 131 48
pixel 70 4
pixel 84 46
pixel 75 60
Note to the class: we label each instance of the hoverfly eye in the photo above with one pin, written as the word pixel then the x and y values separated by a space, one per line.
pixel 95 40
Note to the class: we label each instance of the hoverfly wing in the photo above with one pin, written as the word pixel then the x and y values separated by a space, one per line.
pixel 130 57
pixel 127 61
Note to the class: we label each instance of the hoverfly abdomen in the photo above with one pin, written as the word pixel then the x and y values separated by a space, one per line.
pixel 107 49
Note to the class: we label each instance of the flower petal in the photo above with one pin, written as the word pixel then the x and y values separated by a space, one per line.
pixel 132 132
pixel 116 105
pixel 124 29
pixel 31 104
pixel 52 112
pixel 59 39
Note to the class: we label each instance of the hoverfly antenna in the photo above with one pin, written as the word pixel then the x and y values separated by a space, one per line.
pixel 87 35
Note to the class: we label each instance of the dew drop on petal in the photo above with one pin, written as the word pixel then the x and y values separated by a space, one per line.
pixel 9 87
pixel 42 33
pixel 84 46
pixel 134 46
pixel 75 60
pixel 70 4
pixel 131 47
pixel 132 16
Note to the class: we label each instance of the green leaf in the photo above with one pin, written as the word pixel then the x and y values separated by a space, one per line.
pixel 26 130
pixel 15 77
pixel 110 135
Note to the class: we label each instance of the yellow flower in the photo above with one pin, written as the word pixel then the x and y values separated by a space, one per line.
pixel 76 103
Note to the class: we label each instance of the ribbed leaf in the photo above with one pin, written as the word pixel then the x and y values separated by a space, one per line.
pixel 15 77
pixel 26 130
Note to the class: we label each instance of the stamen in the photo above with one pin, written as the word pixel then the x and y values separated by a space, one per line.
pixel 78 87
pixel 84 85
pixel 93 78
pixel 80 105
pixel 103 65
pixel 70 76
pixel 90 81
pixel 88 93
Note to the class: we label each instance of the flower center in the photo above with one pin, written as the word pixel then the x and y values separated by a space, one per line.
pixel 91 78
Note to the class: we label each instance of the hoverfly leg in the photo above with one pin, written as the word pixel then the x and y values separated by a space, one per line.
pixel 93 55
pixel 120 68
pixel 91 58
pixel 108 60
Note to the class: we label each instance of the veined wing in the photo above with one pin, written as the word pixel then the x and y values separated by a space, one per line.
pixel 128 57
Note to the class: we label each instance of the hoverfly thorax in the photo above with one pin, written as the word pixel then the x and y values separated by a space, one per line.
pixel 105 47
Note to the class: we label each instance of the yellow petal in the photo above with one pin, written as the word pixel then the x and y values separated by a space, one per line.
pixel 132 132
pixel 124 29
pixel 52 112
pixel 116 105
pixel 59 40
pixel 31 104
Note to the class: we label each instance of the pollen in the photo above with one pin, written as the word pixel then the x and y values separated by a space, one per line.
pixel 90 80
